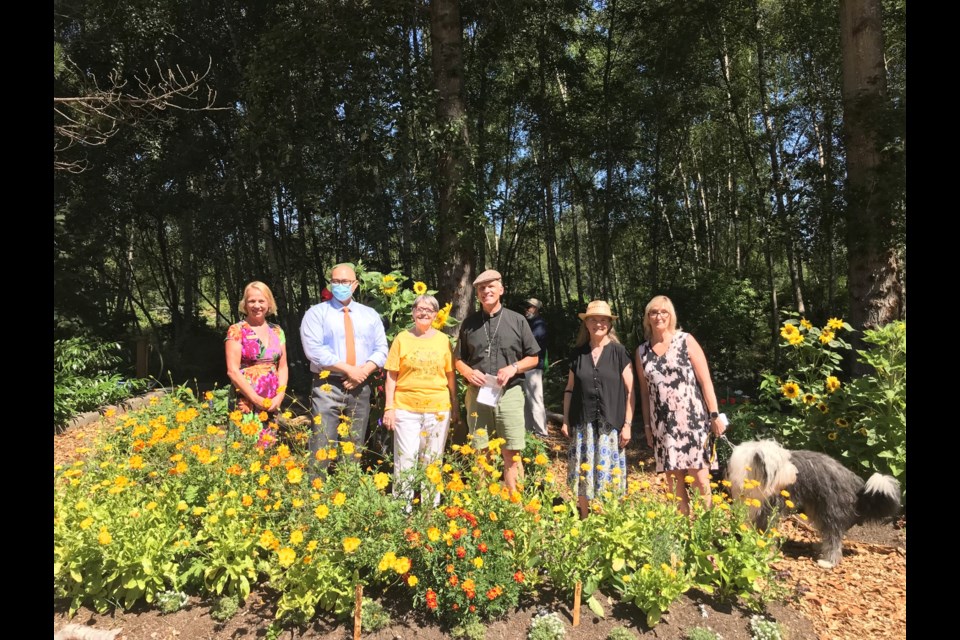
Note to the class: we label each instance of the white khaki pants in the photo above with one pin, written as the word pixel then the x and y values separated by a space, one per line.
pixel 418 440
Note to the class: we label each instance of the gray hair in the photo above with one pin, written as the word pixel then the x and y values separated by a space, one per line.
pixel 428 299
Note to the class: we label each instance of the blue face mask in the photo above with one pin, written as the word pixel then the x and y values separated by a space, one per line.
pixel 342 292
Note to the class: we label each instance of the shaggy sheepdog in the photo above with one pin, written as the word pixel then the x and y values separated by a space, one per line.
pixel 833 497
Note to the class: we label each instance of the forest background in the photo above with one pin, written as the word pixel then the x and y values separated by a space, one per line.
pixel 744 157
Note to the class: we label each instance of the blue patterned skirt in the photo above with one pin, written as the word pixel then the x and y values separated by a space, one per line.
pixel 595 462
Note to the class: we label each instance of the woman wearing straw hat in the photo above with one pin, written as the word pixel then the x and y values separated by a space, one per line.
pixel 598 402
pixel 678 402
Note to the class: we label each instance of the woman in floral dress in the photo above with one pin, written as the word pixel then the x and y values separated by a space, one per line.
pixel 678 402
pixel 598 403
pixel 257 353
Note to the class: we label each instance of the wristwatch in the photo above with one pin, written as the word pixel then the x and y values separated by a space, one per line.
pixel 714 414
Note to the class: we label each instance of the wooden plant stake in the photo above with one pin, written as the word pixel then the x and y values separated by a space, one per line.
pixel 577 592
pixel 357 612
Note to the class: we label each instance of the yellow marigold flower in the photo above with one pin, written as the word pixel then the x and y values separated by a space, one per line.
pixel 789 331
pixel 343 429
pixel 785 493
pixel 312 545
pixel 402 565
pixel 586 466
pixel 326 387
pixel 832 435
pixel 761 543
pixel 321 455
pixel 688 479
pixel 287 556
pixel 381 480
pixel 104 537
pixel 419 288
pixel 651 514
pixel 835 323
pixel 263 479
pixel 262 493
pixel 387 561
pixel 350 544
pixel 86 522
pixel 296 536
pixel 339 498
pixel 412 581
pixel 324 374
pixel 789 503
pixel 294 475
pixel 478 562
pixel 181 506
pixel 151 506
pixel 332 453
pixel 297 503
pixel 806 324
pixel 493 516
pixel 541 459
pixel 833 383
pixel 348 447
pixel 802 516
pixel 322 511
pixel 136 462
pixel 214 519
pixel 574 532
pixel 790 390
pixel 197 511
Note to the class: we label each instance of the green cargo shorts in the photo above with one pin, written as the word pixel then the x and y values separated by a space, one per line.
pixel 506 420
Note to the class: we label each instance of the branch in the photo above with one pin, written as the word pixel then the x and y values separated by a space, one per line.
pixel 91 120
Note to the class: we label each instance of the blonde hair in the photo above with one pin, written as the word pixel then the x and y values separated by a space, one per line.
pixel 265 290
pixel 668 304
pixel 583 336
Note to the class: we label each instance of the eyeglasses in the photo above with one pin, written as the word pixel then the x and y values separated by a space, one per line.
pixel 424 310
pixel 661 312
pixel 346 282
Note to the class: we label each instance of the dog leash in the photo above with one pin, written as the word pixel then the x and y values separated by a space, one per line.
pixel 713 446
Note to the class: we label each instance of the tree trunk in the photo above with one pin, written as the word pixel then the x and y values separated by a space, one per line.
pixel 875 288
pixel 457 225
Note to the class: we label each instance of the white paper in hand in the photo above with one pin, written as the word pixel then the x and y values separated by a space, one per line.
pixel 489 393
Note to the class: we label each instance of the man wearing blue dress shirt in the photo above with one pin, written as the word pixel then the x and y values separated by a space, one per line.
pixel 345 343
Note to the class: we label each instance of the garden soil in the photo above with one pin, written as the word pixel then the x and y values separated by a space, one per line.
pixel 863 597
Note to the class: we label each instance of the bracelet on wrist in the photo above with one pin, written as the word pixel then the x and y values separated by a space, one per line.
pixel 388 409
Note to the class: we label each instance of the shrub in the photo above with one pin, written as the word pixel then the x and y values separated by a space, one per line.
pixel 85 377
pixel 373 616
pixel 702 633
pixel 546 626
pixel 225 608
pixel 621 633
pixel 763 629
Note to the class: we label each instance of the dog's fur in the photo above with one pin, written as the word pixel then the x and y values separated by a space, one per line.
pixel 833 497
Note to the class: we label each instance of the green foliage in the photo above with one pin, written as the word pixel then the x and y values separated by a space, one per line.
pixel 171 601
pixel 225 608
pixel 763 629
pixel 547 626
pixel 702 633
pixel 471 630
pixel 862 422
pixel 621 633
pixel 85 377
pixel 373 616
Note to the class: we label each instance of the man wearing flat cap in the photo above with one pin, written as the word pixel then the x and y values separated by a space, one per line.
pixel 496 341
pixel 535 412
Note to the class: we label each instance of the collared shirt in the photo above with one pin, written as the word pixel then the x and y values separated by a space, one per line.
pixel 324 340
pixel 506 333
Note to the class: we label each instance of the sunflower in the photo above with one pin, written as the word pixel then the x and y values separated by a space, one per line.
pixel 809 398
pixel 796 339
pixel 832 435
pixel 823 408
pixel 832 383
pixel 419 288
pixel 840 422
pixel 806 324
pixel 789 331
pixel 790 390
pixel 835 323
pixel 826 336
pixel 441 320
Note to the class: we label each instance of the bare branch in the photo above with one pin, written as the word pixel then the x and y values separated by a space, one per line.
pixel 91 120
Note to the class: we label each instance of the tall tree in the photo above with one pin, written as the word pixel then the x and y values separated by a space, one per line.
pixel 874 169
pixel 455 215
